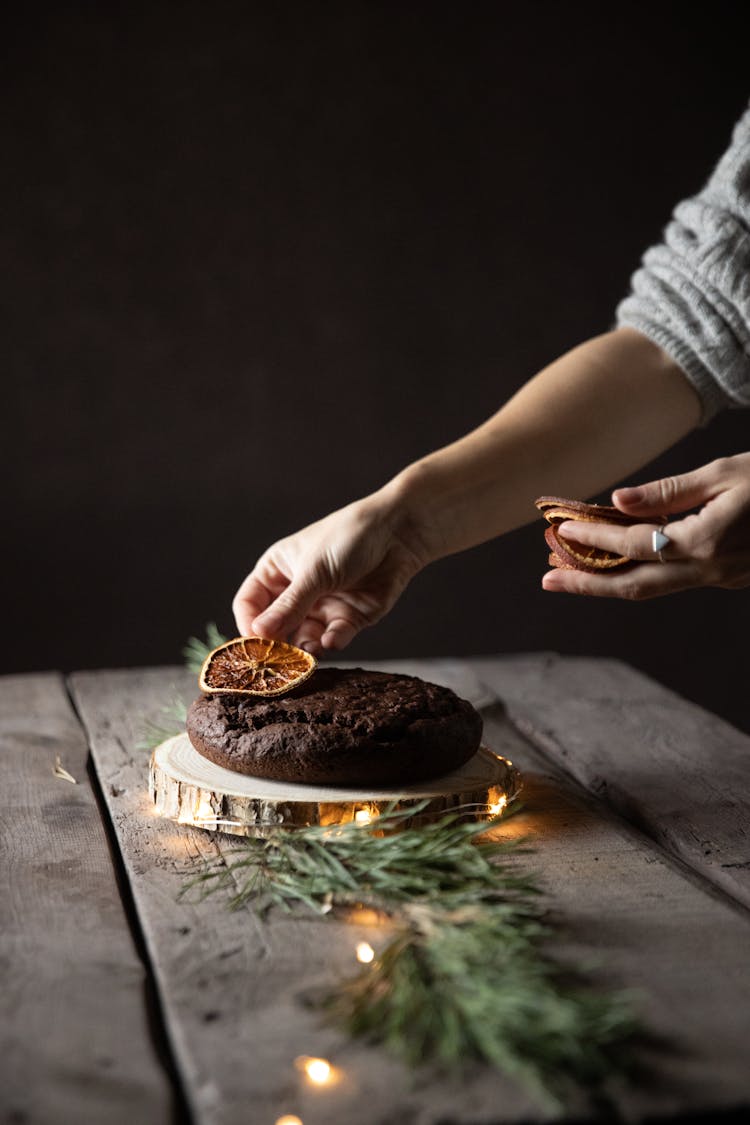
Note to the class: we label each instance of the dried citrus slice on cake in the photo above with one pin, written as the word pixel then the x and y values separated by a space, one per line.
pixel 255 666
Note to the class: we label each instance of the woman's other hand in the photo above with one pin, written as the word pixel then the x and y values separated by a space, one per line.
pixel 709 547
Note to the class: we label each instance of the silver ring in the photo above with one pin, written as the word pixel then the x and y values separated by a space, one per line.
pixel 659 541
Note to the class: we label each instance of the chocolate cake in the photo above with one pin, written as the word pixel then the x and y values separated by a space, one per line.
pixel 343 727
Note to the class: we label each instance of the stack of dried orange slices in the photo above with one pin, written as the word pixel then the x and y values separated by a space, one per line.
pixel 255 666
pixel 567 553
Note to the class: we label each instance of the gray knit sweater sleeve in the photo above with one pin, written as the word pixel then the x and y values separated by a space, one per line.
pixel 692 293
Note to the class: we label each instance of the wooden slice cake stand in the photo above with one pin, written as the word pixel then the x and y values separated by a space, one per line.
pixel 186 787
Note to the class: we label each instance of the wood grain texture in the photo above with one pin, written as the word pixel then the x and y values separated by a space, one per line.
pixel 633 914
pixel 231 985
pixel 74 1038
pixel 678 772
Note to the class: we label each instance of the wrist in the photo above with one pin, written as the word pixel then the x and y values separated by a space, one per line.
pixel 407 506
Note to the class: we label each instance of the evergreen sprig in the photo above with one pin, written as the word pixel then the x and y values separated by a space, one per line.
pixel 171 719
pixel 477 985
pixel 467 975
pixel 196 650
pixel 384 867
pixel 169 722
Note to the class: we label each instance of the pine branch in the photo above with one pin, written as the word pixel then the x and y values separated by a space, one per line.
pixel 171 719
pixel 467 975
pixel 169 722
pixel 386 865
pixel 450 990
pixel 195 650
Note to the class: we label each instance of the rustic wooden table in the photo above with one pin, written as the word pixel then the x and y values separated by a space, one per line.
pixel 120 1003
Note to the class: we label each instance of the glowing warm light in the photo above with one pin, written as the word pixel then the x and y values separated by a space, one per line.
pixel 365 952
pixel 497 806
pixel 210 821
pixel 206 821
pixel 365 916
pixel 362 816
pixel 205 811
pixel 201 815
pixel 289 1119
pixel 317 1070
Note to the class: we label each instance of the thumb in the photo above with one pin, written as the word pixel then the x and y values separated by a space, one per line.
pixel 290 609
pixel 669 494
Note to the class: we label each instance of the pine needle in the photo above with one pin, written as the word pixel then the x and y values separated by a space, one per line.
pixel 169 722
pixel 467 976
pixel 171 719
pixel 61 772
pixel 196 650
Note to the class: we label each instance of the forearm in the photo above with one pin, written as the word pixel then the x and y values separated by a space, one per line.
pixel 592 417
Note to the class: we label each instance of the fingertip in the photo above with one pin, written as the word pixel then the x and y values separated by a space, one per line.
pixel 553 582
pixel 268 625
pixel 336 639
pixel 311 646
pixel 243 619
pixel 628 496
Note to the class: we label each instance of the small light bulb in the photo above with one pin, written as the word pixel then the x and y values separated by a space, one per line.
pixel 365 916
pixel 497 807
pixel 365 952
pixel 317 1070
pixel 362 816
pixel 289 1119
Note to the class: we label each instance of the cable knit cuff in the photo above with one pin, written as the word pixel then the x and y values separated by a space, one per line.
pixel 692 294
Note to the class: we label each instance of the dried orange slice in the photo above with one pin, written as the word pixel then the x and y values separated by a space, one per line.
pixel 255 666
pixel 555 510
pixel 575 556
pixel 568 554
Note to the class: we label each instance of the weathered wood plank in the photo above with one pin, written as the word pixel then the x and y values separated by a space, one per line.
pixel 74 1036
pixel 231 986
pixel 679 773
pixel 633 912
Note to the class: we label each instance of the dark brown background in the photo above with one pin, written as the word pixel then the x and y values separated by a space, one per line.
pixel 258 257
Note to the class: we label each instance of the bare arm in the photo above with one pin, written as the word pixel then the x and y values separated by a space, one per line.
pixel 594 415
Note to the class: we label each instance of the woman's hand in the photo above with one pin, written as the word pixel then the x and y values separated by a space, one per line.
pixel 710 547
pixel 322 585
